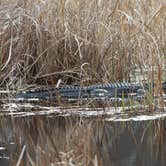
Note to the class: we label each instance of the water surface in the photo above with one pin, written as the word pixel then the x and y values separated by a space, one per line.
pixel 81 135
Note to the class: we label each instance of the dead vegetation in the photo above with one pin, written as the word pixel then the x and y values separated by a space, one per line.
pixel 81 42
pixel 78 42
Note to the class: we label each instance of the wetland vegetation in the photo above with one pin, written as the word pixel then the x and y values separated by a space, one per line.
pixel 75 42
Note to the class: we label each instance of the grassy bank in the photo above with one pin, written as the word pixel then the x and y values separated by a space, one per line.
pixel 81 42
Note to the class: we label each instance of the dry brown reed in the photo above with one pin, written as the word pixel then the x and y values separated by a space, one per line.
pixel 79 41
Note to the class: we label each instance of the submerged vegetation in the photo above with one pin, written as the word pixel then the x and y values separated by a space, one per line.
pixel 81 42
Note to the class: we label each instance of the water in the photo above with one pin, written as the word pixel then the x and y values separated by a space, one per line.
pixel 45 135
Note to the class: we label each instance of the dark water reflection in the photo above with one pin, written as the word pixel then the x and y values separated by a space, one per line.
pixel 83 141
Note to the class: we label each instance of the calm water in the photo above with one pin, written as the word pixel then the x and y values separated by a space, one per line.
pixel 107 137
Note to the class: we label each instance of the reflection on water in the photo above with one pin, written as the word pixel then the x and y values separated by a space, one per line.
pixel 4 158
pixel 75 139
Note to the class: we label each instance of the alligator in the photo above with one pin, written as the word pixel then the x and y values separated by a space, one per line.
pixel 107 91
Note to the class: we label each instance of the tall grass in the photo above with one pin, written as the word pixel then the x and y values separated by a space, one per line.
pixel 81 41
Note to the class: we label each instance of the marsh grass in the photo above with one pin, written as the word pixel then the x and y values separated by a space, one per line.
pixel 81 42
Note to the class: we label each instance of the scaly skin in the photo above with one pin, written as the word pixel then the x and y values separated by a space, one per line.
pixel 98 91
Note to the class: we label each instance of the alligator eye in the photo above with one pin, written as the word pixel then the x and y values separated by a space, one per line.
pixel 99 93
pixel 140 92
